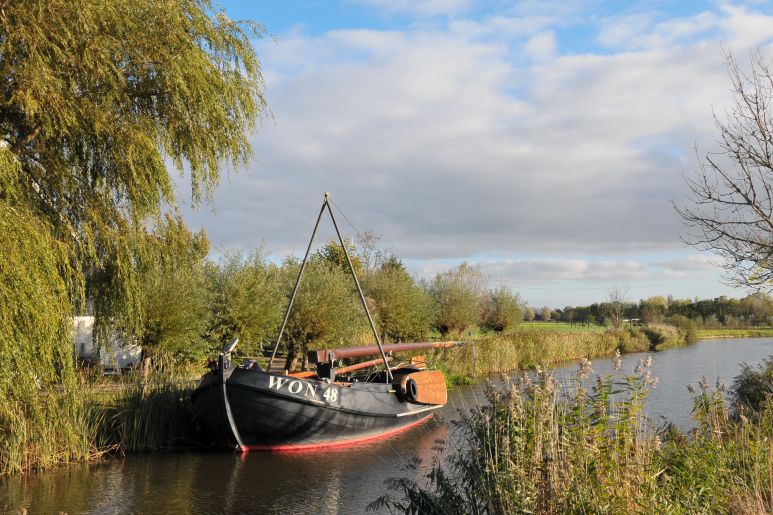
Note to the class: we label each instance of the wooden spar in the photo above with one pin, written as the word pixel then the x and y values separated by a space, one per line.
pixel 360 366
pixel 321 356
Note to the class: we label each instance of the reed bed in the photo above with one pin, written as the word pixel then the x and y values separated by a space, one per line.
pixel 58 427
pixel 585 446
pixel 92 419
pixel 528 348
pixel 150 415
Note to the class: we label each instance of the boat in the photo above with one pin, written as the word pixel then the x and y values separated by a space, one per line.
pixel 247 407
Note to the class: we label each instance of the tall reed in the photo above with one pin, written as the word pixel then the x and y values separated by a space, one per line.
pixel 149 416
pixel 585 447
pixel 531 347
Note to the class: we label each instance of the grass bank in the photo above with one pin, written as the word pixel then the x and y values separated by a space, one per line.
pixel 754 332
pixel 562 327
pixel 538 446
pixel 529 347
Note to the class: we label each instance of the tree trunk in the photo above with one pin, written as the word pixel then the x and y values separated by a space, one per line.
pixel 292 359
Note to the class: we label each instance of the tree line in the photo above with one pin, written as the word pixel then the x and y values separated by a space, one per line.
pixel 753 310
pixel 191 304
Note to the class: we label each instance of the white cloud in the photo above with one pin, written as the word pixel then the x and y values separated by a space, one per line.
pixel 541 46
pixel 451 148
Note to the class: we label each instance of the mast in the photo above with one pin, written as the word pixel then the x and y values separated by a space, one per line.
pixel 326 204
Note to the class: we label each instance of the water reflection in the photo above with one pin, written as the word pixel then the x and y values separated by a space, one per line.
pixel 330 481
pixel 342 480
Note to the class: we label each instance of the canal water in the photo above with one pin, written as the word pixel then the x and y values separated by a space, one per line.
pixel 342 480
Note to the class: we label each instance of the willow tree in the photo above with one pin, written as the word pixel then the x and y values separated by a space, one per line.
pixel 326 311
pixel 249 296
pixel 100 103
pixel 403 310
pixel 175 298
pixel 458 296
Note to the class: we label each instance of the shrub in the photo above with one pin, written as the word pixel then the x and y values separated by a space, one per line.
pixel 630 339
pixel 687 327
pixel 753 388
pixel 662 336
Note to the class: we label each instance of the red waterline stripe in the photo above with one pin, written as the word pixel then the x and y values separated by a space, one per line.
pixel 335 443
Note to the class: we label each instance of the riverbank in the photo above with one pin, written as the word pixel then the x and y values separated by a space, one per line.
pixel 754 332
pixel 529 347
pixel 154 414
pixel 356 475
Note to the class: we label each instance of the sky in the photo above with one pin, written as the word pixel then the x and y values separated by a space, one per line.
pixel 546 142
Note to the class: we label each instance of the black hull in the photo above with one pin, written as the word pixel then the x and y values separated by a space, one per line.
pixel 276 412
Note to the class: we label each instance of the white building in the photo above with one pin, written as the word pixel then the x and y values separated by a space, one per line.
pixel 117 356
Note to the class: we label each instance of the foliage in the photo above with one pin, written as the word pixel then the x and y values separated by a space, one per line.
pixel 37 281
pixel 249 296
pixel 402 309
pixel 662 336
pixel 653 309
pixel 457 294
pixel 333 253
pixel 630 339
pixel 174 305
pixel 326 312
pixel 688 329
pixel 99 97
pixel 752 389
pixel 525 349
pixel 503 309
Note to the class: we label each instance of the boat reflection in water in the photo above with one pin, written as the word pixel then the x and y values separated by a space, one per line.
pixel 326 481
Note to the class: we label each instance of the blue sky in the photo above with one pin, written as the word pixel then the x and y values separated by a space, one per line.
pixel 545 141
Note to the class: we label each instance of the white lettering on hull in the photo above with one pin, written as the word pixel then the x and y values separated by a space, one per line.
pixel 276 382
pixel 330 394
pixel 295 387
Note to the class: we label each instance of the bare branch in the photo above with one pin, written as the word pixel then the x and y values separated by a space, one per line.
pixel 732 204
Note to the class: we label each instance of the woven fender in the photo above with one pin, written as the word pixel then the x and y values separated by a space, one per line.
pixel 426 387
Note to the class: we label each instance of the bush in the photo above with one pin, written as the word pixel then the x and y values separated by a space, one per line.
pixel 630 339
pixel 503 310
pixel 663 336
pixel 753 388
pixel 687 327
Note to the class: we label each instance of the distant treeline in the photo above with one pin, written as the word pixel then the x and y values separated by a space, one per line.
pixel 753 310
